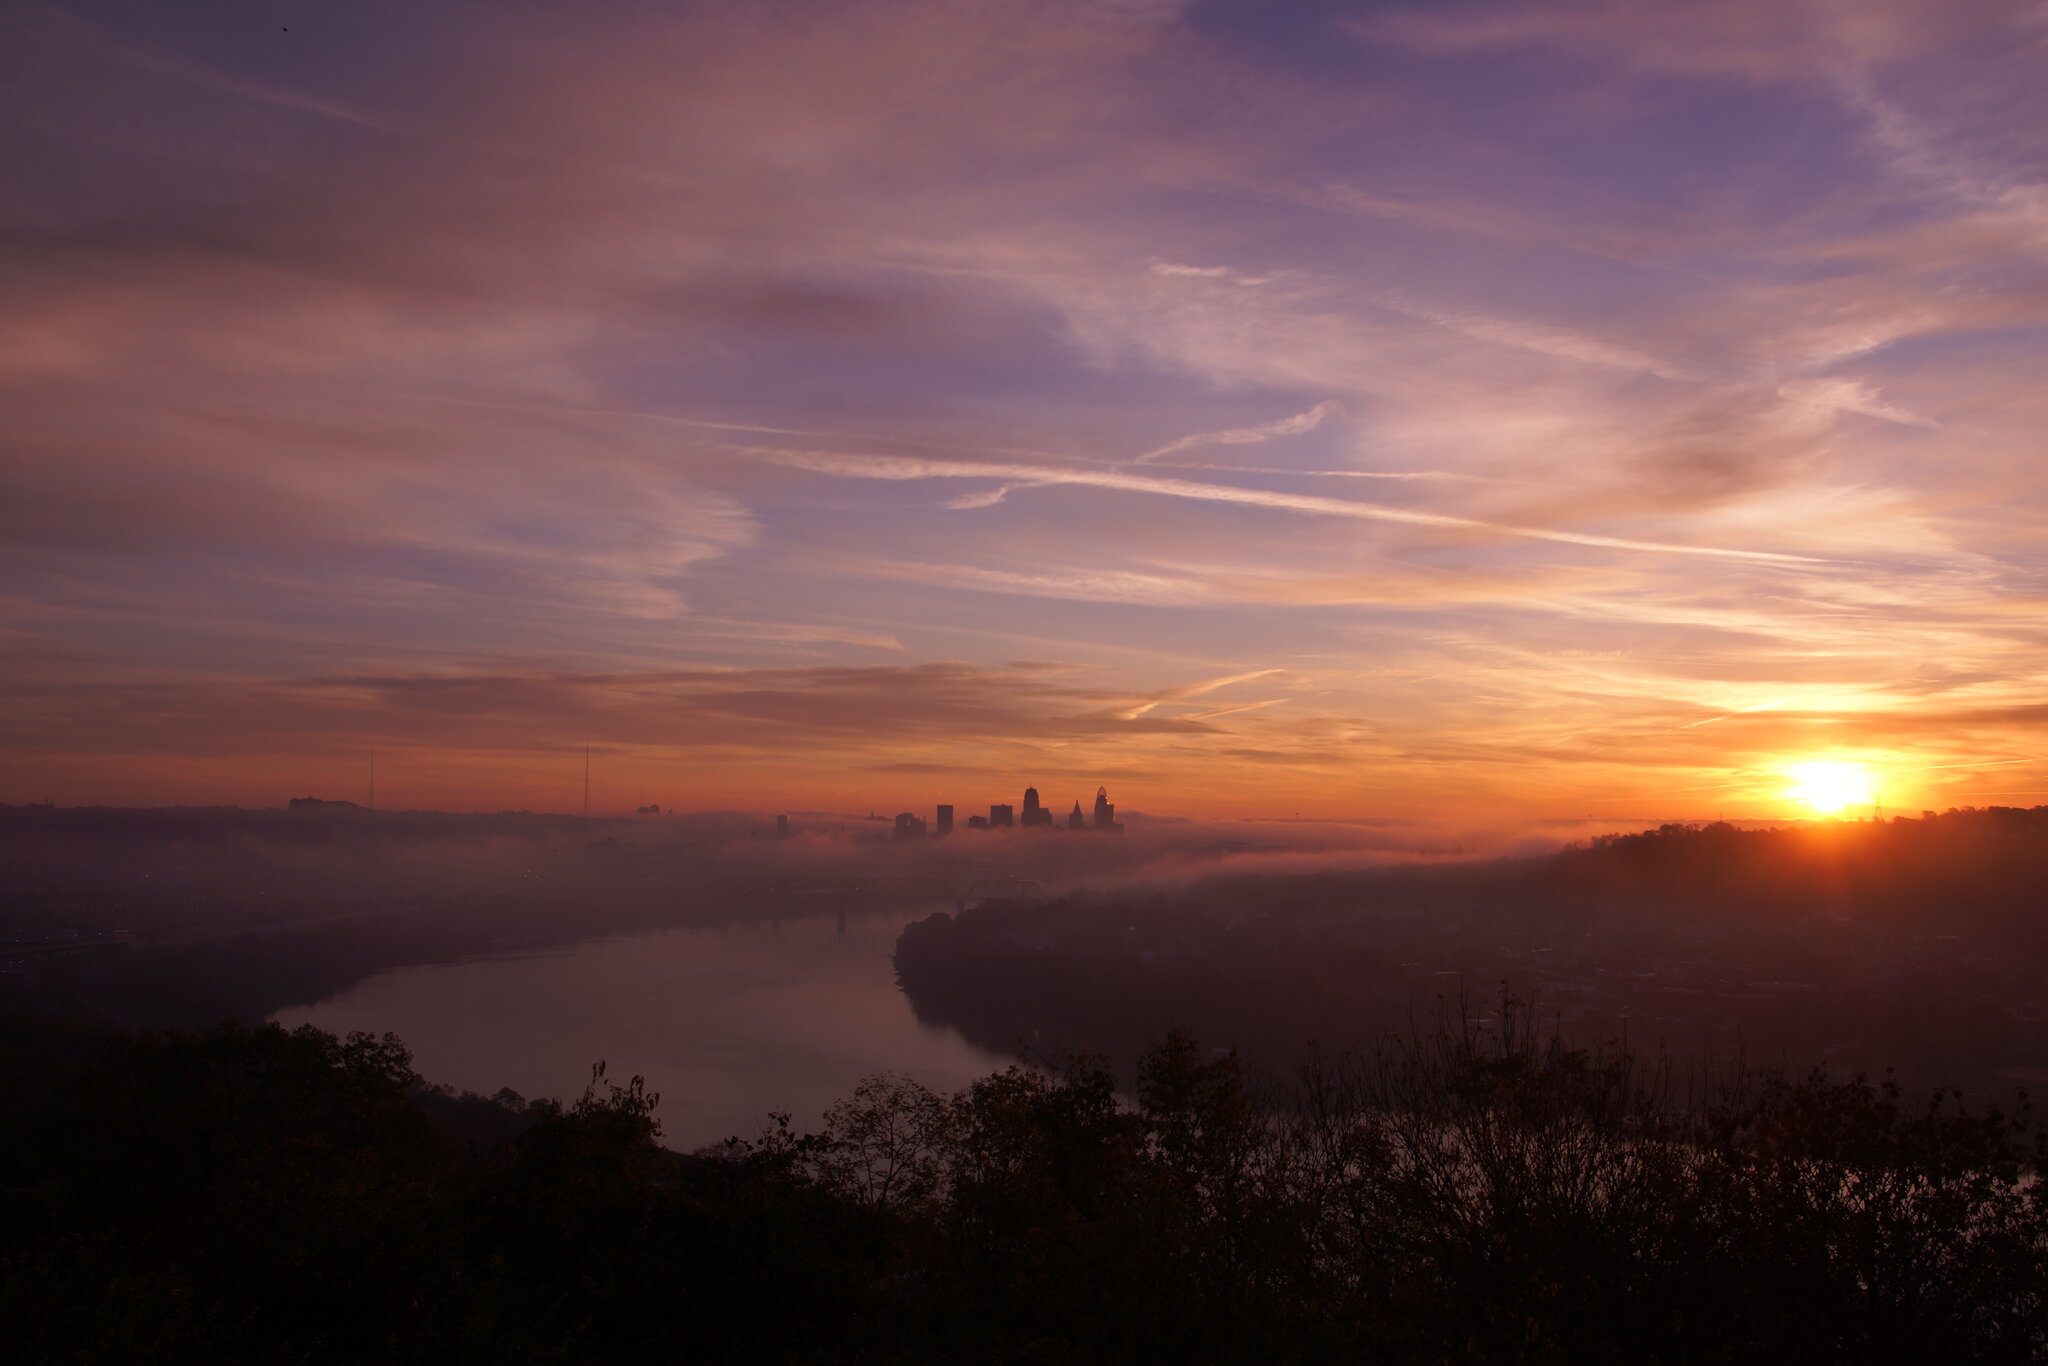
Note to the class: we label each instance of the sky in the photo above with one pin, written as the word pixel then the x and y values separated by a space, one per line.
pixel 1494 412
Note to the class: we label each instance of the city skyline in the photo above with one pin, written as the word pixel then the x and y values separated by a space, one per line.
pixel 1031 815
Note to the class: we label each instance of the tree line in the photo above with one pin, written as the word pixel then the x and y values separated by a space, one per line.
pixel 1480 1191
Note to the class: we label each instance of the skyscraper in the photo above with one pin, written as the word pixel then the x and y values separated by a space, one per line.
pixel 1034 814
pixel 1075 820
pixel 945 821
pixel 1001 816
pixel 1105 814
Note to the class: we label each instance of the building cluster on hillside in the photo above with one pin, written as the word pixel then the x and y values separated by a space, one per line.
pixel 1003 816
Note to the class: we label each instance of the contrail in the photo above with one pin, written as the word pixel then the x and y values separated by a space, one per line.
pixel 847 466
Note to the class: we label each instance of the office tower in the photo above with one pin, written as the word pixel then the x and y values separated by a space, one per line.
pixel 945 824
pixel 1001 816
pixel 1034 814
pixel 1075 820
pixel 1105 814
pixel 909 826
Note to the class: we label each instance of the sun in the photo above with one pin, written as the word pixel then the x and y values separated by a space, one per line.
pixel 1831 786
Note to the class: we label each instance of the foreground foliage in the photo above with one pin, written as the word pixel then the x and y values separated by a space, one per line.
pixel 1482 1194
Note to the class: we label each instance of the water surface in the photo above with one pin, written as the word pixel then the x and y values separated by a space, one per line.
pixel 727 1022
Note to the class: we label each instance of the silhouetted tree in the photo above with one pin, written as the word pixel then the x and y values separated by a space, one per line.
pixel 1480 1192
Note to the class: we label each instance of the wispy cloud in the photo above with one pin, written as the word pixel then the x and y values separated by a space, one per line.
pixel 1945 164
pixel 1081 583
pixel 1225 273
pixel 899 468
pixel 256 91
pixel 1540 338
pixel 1201 689
pixel 1773 705
pixel 1247 436
pixel 1842 395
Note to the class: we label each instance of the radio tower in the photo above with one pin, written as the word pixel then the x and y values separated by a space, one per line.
pixel 586 782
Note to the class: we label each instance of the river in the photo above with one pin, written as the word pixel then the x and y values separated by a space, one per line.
pixel 727 1022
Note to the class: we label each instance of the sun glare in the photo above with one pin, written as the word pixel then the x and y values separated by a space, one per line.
pixel 1830 786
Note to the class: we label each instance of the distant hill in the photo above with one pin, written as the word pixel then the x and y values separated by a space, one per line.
pixel 1915 943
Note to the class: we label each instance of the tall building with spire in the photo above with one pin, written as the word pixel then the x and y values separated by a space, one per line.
pixel 1034 814
pixel 1075 820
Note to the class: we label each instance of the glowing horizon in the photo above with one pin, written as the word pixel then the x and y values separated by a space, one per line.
pixel 1492 414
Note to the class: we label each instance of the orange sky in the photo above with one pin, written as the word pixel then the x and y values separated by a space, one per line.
pixel 1501 414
